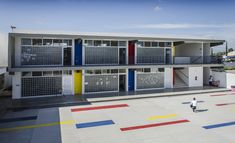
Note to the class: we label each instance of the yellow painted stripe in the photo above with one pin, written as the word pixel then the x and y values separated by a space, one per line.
pixel 37 126
pixel 162 116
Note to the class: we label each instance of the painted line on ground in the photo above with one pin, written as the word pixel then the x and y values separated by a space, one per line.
pixel 219 125
pixel 18 119
pixel 161 117
pixel 153 125
pixel 190 102
pixel 224 104
pixel 98 107
pixel 37 126
pixel 94 124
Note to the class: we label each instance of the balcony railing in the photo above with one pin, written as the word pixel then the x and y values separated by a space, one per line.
pixel 143 60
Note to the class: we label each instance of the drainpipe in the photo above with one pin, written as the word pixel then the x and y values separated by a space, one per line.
pixel 226 49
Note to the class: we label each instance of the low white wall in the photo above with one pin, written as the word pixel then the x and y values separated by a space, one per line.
pixel 221 77
pixel 230 79
pixel 16 85
pixel 195 76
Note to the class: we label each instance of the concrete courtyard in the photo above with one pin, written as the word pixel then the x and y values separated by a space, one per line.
pixel 148 120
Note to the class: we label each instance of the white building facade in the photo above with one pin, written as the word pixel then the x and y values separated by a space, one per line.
pixel 47 64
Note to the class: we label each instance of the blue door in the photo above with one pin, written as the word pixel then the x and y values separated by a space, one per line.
pixel 78 52
pixel 131 80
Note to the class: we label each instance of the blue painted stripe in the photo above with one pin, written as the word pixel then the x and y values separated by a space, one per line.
pixel 18 119
pixel 94 124
pixel 219 125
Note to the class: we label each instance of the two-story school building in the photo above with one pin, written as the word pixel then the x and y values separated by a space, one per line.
pixel 78 64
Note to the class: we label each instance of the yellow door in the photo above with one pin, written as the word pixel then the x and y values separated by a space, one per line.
pixel 78 82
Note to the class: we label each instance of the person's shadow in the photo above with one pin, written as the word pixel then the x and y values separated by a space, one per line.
pixel 201 110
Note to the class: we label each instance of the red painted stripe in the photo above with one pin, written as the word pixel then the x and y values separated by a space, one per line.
pixel 223 104
pixel 153 125
pixel 98 107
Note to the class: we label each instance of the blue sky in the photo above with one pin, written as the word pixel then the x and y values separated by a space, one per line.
pixel 184 18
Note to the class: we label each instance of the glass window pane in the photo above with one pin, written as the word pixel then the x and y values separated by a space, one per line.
pixel 97 71
pixel 106 43
pixel 154 44
pixel 168 44
pixel 122 71
pixel 57 72
pixel 67 42
pixel 47 73
pixel 37 41
pixel 114 71
pixel 47 41
pixel 147 44
pixel 161 70
pixel 140 44
pixel 162 44
pixel 114 43
pixel 89 42
pixel 122 43
pixel 57 42
pixel 37 73
pixel 26 41
pixel 26 73
pixel 97 43
pixel 147 70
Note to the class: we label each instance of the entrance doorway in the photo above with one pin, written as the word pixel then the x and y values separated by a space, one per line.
pixel 122 82
pixel 67 56
pixel 122 56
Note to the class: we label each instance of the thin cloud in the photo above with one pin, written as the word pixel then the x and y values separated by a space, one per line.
pixel 157 8
pixel 183 26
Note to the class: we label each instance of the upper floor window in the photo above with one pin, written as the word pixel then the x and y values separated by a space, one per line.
pixel 122 43
pixel 154 44
pixel 37 41
pixel 168 44
pixel 67 42
pixel 147 44
pixel 114 43
pixel 97 43
pixel 57 41
pixel 161 44
pixel 47 41
pixel 26 41
pixel 106 43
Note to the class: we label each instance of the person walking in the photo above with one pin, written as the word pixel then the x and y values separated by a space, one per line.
pixel 210 80
pixel 193 104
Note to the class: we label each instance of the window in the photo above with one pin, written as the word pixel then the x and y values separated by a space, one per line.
pixel 161 70
pixel 122 43
pixel 57 72
pixel 68 42
pixel 26 41
pixel 154 44
pixel 147 44
pixel 67 72
pixel 168 44
pixel 47 41
pixel 26 73
pixel 97 71
pixel 114 71
pixel 57 41
pixel 140 44
pixel 37 73
pixel 161 44
pixel 47 73
pixel 37 41
pixel 147 70
pixel 114 43
pixel 122 71
pixel 89 42
pixel 97 43
pixel 106 43
pixel 89 71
